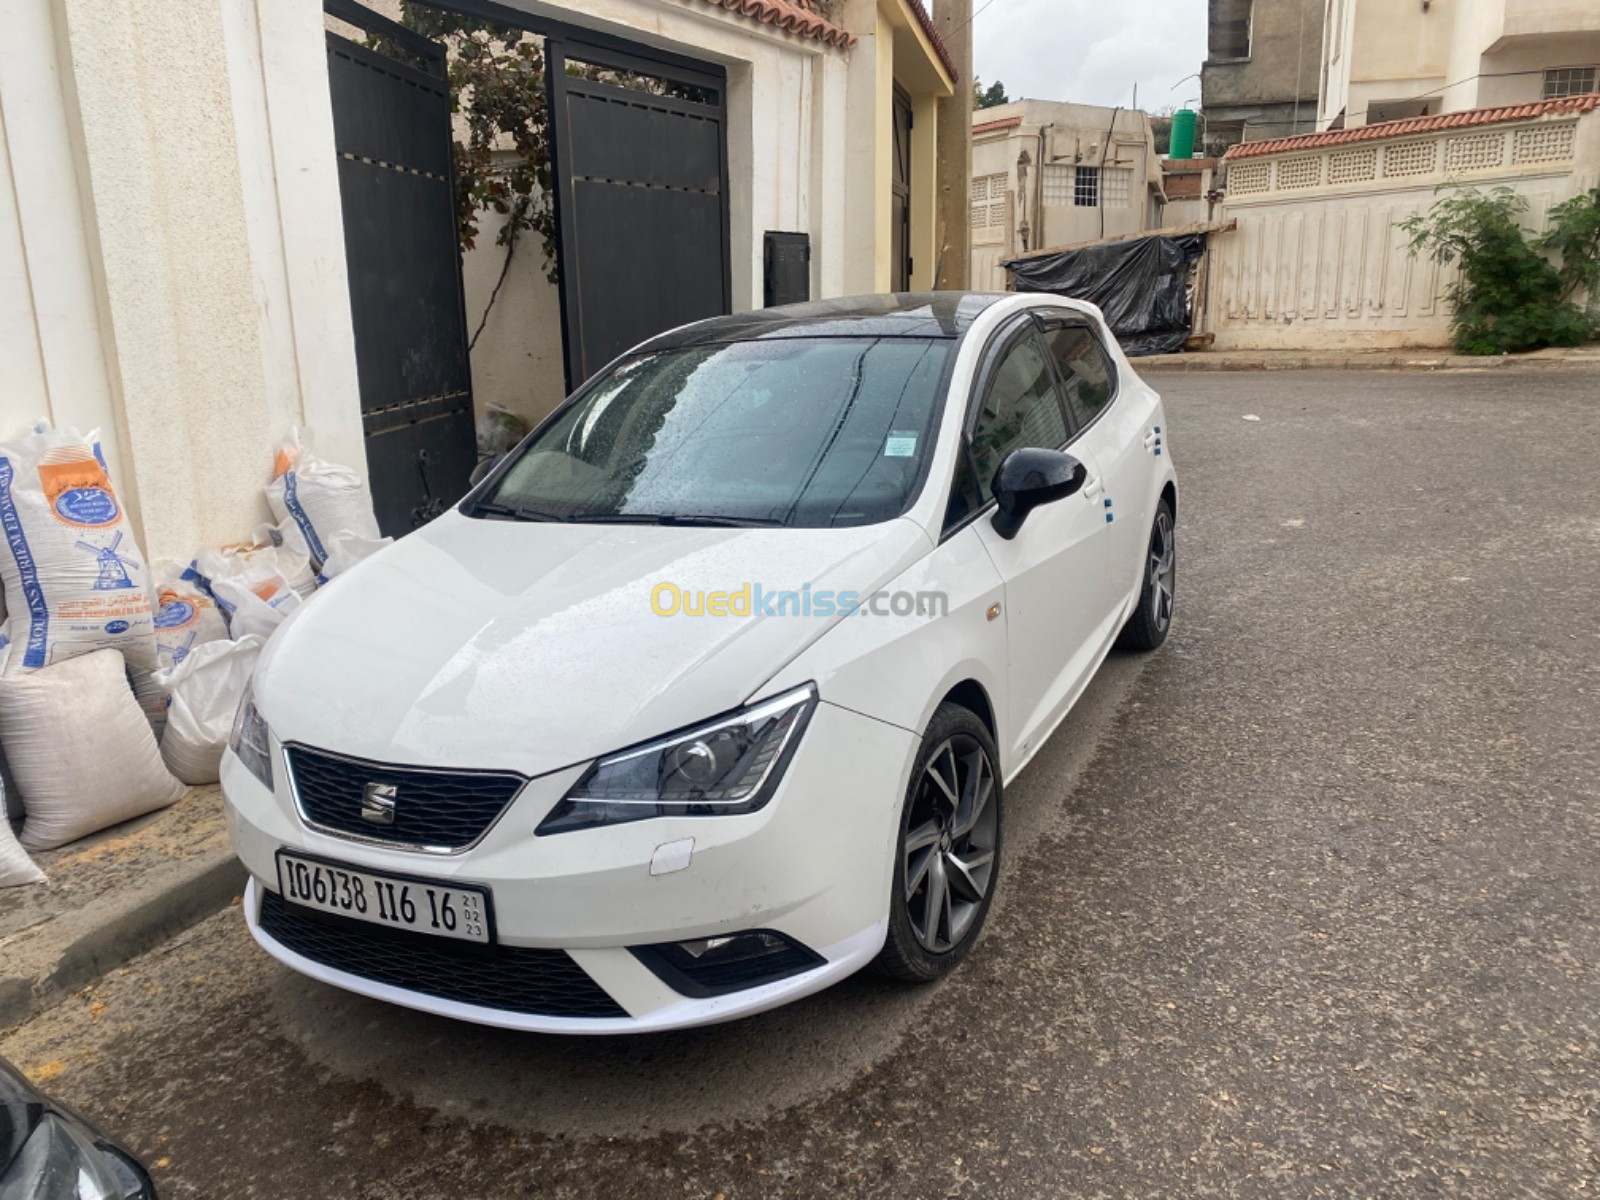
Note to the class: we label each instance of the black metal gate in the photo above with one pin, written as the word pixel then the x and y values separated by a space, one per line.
pixel 391 128
pixel 640 145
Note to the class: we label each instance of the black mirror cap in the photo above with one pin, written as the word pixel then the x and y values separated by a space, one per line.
pixel 481 471
pixel 1031 476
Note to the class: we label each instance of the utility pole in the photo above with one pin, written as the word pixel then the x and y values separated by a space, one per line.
pixel 953 149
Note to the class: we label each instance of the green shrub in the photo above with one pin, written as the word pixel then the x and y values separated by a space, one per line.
pixel 1510 295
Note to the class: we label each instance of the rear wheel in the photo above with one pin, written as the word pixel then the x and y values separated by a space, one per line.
pixel 947 860
pixel 1151 620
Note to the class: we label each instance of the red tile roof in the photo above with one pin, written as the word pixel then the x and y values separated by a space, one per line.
pixel 1565 106
pixel 920 11
pixel 1002 123
pixel 792 15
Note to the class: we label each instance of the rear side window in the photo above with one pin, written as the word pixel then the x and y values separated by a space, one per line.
pixel 1087 378
pixel 1020 408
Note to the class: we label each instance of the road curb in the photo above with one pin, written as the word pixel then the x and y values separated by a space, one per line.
pixel 1211 361
pixel 108 933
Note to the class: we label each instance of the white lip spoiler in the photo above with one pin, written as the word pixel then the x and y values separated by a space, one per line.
pixel 844 958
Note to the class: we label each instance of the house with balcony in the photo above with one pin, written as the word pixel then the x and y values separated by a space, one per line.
pixel 1382 60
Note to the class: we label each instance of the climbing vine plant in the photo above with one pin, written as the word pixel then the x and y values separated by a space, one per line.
pixel 502 128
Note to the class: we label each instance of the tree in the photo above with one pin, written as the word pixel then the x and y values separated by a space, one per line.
pixel 988 97
pixel 1509 295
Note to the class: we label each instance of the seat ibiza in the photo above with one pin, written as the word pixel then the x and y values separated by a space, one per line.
pixel 707 695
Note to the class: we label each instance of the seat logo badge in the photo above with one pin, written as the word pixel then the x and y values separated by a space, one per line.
pixel 377 803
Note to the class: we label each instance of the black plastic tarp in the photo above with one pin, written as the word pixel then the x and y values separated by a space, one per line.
pixel 1141 286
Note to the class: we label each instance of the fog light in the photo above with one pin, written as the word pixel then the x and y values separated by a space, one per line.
pixel 732 962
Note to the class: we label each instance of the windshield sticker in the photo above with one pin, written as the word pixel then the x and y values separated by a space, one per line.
pixel 900 444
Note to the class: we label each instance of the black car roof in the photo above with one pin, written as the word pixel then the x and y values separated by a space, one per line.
pixel 900 314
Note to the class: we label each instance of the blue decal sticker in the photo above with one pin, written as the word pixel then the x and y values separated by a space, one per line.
pixel 175 614
pixel 27 569
pixel 116 627
pixel 87 506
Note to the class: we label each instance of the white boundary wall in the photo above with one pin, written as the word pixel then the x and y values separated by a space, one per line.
pixel 1318 262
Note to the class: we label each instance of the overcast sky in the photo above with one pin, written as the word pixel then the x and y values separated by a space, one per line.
pixel 1091 51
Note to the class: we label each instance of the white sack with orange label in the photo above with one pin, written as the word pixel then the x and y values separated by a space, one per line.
pixel 254 593
pixel 75 580
pixel 321 498
pixel 186 617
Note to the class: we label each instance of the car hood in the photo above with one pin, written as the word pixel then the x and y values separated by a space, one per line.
pixel 533 646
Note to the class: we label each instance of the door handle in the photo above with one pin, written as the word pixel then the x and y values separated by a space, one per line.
pixel 1150 439
pixel 1091 488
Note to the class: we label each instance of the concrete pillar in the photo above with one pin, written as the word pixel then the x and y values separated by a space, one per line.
pixel 148 109
pixel 953 20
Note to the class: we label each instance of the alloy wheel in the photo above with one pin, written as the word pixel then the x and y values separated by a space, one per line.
pixel 950 841
pixel 1163 566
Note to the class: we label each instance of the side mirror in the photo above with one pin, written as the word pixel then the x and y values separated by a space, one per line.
pixel 1029 477
pixel 481 471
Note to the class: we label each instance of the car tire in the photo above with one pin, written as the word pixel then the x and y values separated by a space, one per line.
pixel 1151 621
pixel 947 854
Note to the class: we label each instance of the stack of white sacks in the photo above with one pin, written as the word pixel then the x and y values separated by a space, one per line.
pixel 118 682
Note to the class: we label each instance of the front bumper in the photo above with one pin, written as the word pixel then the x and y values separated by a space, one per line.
pixel 814 864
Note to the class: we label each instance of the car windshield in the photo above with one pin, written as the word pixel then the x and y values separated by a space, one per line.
pixel 803 432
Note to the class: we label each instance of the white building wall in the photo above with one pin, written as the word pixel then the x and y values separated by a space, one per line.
pixel 1451 54
pixel 172 264
pixel 1058 138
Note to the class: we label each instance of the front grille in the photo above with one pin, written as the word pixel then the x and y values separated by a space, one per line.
pixel 519 979
pixel 444 810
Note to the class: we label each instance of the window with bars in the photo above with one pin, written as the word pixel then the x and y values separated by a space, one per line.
pixel 1116 186
pixel 1065 186
pixel 1568 81
pixel 1086 187
pixel 1056 182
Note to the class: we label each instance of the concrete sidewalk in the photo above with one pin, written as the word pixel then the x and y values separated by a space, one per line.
pixel 110 897
pixel 1371 360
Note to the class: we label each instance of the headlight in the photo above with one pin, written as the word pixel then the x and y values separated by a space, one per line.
pixel 728 766
pixel 249 740
pixel 59 1159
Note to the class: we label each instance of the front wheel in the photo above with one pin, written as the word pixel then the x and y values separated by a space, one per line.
pixel 947 859
pixel 1152 617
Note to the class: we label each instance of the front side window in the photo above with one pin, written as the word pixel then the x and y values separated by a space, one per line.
pixel 801 432
pixel 1020 408
pixel 1086 373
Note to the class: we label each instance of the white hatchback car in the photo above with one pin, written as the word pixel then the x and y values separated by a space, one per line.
pixel 706 696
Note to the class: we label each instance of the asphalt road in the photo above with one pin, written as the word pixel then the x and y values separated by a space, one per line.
pixel 1305 904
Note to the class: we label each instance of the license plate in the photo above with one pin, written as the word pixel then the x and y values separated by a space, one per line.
pixel 396 901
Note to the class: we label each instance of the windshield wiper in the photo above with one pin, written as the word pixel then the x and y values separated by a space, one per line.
pixel 493 508
pixel 707 521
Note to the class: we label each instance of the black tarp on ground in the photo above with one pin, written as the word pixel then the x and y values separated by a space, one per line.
pixel 1140 286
